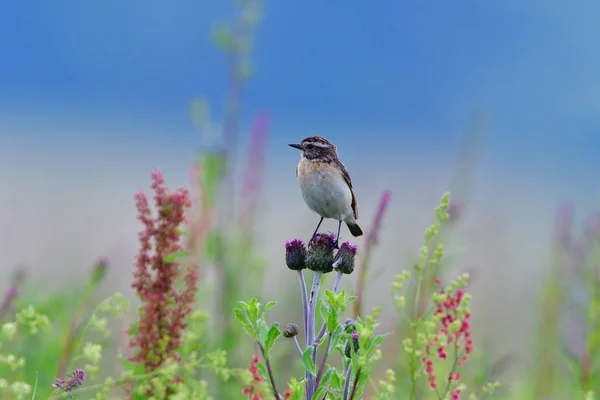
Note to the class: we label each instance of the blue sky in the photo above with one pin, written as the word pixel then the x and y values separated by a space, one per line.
pixel 404 72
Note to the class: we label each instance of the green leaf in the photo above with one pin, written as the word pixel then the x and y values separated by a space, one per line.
pixel 131 367
pixel 327 376
pixel 320 393
pixel 242 317
pixel 263 370
pixel 169 258
pixel 269 305
pixel 375 343
pixel 35 386
pixel 337 382
pixel 307 360
pixel 272 336
pixel 336 335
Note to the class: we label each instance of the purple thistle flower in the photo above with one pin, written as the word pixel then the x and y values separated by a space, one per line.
pixel 295 255
pixel 345 256
pixel 320 254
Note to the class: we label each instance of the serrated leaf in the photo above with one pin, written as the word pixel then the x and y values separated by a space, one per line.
pixel 272 336
pixel 307 360
pixel 246 323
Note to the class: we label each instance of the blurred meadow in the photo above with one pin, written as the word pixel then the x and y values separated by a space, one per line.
pixel 496 103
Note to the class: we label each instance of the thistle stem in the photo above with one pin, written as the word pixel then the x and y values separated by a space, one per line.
pixel 323 362
pixel 336 287
pixel 310 328
pixel 304 304
pixel 298 348
pixel 347 381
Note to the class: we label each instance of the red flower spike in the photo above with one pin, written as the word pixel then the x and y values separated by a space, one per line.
pixel 165 307
pixel 459 342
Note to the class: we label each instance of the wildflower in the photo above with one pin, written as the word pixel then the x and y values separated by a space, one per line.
pixel 320 254
pixel 453 331
pixel 295 255
pixel 290 331
pixel 254 389
pixel 353 343
pixel 166 304
pixel 345 256
pixel 75 380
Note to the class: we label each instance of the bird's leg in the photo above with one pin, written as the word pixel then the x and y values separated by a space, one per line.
pixel 337 238
pixel 315 232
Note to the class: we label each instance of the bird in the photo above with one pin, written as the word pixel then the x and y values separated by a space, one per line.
pixel 326 185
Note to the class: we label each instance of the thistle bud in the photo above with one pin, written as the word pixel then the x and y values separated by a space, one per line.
pixel 345 256
pixel 349 326
pixel 290 331
pixel 352 343
pixel 295 255
pixel 320 254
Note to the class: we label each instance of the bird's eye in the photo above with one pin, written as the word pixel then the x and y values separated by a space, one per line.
pixel 310 146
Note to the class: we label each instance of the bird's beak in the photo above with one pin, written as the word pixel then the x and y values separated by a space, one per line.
pixel 296 146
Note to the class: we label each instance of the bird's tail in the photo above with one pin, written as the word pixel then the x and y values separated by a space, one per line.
pixel 354 229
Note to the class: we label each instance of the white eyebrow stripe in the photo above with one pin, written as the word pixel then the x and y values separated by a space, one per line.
pixel 319 144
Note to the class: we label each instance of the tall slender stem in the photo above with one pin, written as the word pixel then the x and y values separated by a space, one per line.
pixel 270 371
pixel 336 287
pixel 304 304
pixel 298 349
pixel 310 328
pixel 355 384
pixel 347 381
pixel 323 362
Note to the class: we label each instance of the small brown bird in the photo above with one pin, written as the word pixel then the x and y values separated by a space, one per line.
pixel 325 184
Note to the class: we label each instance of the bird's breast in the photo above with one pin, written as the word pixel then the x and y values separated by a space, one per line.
pixel 324 189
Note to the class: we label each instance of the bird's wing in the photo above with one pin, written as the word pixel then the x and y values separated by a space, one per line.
pixel 346 177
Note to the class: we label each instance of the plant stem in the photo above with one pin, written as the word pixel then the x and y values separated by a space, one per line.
pixel 310 328
pixel 347 381
pixel 355 384
pixel 74 330
pixel 336 287
pixel 270 371
pixel 414 326
pixel 304 304
pixel 298 348
pixel 323 362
